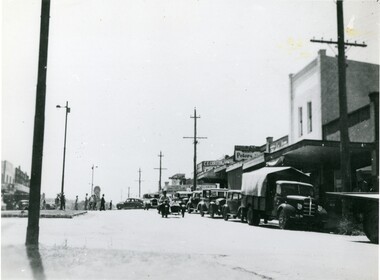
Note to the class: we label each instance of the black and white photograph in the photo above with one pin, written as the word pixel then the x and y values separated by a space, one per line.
pixel 190 139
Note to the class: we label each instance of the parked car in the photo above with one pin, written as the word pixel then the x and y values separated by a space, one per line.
pixel 130 203
pixel 212 201
pixel 182 197
pixel 232 207
pixel 22 204
pixel 193 202
pixel 150 200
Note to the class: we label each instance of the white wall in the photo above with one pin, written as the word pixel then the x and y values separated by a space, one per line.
pixel 305 86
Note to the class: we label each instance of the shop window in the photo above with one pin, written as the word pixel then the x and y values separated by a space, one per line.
pixel 309 118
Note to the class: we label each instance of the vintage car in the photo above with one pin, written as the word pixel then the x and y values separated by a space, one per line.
pixel 130 203
pixel 212 202
pixel 193 202
pixel 150 200
pixel 23 204
pixel 232 207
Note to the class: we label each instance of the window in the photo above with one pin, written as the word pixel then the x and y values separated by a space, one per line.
pixel 309 118
pixel 300 122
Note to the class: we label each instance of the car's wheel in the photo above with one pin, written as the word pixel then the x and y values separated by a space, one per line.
pixel 201 211
pixel 118 207
pixel 212 214
pixel 284 220
pixel 189 208
pixel 250 216
pixel 225 214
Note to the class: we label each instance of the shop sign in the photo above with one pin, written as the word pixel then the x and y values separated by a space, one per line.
pixel 246 152
pixel 208 165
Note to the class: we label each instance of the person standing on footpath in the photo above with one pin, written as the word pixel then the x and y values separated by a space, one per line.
pixel 76 203
pixel 111 205
pixel 103 204
pixel 85 202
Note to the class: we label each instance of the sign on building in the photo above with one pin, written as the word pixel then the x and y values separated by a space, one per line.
pixel 246 152
pixel 210 164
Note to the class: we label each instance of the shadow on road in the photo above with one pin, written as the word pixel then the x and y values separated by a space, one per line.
pixel 35 262
pixel 365 242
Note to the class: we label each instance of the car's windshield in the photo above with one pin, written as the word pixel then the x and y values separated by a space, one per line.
pixel 295 189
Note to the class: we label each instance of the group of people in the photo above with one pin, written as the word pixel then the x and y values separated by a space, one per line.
pixel 92 202
pixel 60 201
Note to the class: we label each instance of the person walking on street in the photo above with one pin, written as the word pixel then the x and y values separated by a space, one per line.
pixel 103 204
pixel 76 203
pixel 85 202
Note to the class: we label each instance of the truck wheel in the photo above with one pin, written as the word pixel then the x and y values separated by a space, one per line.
pixel 371 223
pixel 242 215
pixel 225 214
pixel 283 220
pixel 256 219
pixel 250 217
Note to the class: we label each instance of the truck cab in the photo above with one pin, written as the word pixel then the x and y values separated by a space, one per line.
pixel 294 202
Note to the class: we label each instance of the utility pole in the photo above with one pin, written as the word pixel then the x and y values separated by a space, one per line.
pixel 33 229
pixel 195 142
pixel 345 160
pixel 160 171
pixel 139 182
pixel 92 179
pixel 129 188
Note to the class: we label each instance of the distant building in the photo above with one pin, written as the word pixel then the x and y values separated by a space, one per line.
pixel 7 172
pixel 178 179
pixel 21 177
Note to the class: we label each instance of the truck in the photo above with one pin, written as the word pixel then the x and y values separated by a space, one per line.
pixel 282 193
pixel 366 203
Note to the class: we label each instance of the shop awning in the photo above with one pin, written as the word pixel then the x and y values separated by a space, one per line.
pixel 308 153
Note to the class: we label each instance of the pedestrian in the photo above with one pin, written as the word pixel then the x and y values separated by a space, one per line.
pixel 76 203
pixel 94 202
pixel 111 205
pixel 85 202
pixel 63 202
pixel 57 201
pixel 102 204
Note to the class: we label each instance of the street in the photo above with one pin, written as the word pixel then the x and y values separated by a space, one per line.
pixel 138 244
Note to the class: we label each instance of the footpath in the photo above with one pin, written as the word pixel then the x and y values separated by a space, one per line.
pixel 66 214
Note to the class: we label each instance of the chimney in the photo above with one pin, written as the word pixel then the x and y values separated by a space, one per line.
pixel 322 52
pixel 269 142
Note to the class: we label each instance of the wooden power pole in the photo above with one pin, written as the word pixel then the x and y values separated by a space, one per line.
pixel 32 232
pixel 195 142
pixel 345 160
pixel 160 171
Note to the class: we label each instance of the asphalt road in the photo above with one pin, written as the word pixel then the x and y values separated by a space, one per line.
pixel 138 244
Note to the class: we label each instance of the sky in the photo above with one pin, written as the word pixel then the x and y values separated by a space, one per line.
pixel 134 70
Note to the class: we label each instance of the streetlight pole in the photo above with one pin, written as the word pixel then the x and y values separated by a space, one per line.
pixel 64 151
pixel 92 179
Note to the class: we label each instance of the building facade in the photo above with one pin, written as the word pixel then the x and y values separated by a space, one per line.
pixel 314 100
